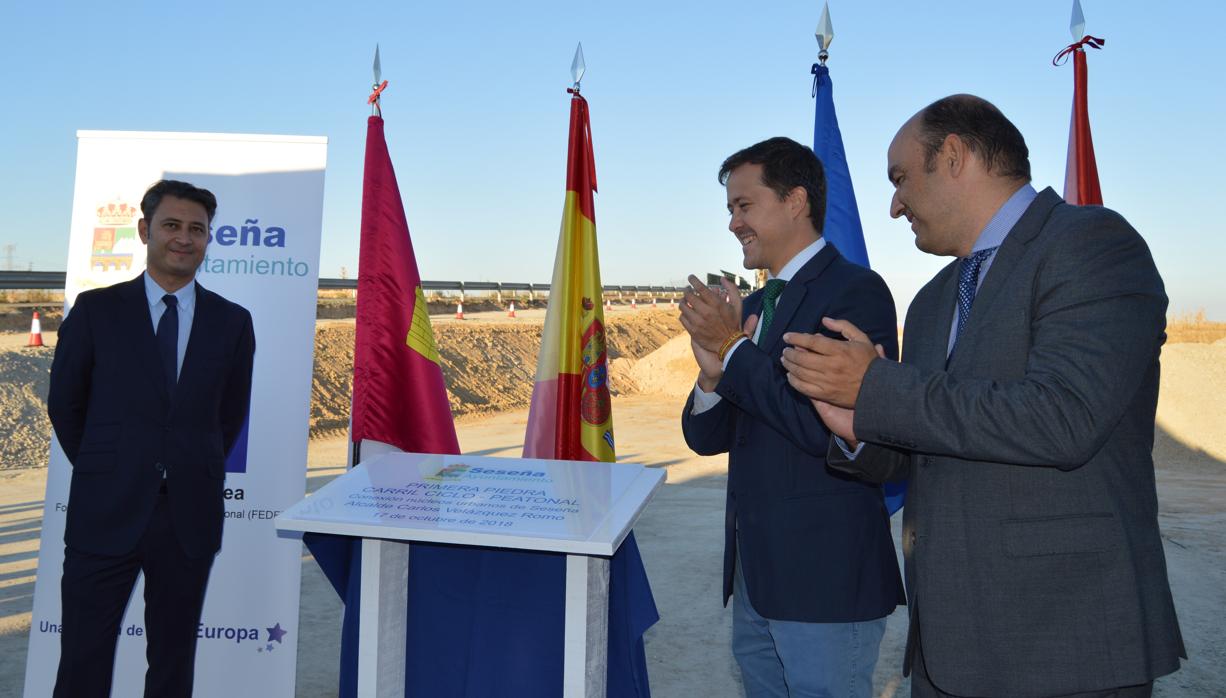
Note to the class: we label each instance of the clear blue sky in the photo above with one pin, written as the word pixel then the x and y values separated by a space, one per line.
pixel 477 114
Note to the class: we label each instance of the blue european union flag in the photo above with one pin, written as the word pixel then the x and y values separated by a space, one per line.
pixel 842 227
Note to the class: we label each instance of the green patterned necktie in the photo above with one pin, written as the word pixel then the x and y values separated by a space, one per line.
pixel 774 288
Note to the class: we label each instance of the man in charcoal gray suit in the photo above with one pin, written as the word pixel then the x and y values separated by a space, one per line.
pixel 1023 415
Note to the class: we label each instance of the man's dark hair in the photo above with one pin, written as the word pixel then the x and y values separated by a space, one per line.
pixel 983 128
pixel 786 165
pixel 180 190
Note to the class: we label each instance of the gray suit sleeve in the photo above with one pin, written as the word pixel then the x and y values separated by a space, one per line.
pixel 1098 317
pixel 876 464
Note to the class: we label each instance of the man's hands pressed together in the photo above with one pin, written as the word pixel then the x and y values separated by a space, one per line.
pixel 713 320
pixel 829 372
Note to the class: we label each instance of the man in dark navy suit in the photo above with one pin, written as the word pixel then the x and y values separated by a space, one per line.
pixel 808 554
pixel 149 390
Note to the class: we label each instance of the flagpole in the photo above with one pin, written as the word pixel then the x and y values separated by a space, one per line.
pixel 376 109
pixel 577 67
pixel 841 226
pixel 375 98
pixel 824 34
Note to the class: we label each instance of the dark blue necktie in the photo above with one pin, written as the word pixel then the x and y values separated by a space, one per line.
pixel 968 282
pixel 168 341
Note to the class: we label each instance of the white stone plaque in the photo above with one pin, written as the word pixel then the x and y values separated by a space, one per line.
pixel 575 507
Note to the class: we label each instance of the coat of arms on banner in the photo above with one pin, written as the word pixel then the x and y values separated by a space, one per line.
pixel 115 239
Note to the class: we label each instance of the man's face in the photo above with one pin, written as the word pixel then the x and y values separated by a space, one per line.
pixel 762 223
pixel 176 237
pixel 923 197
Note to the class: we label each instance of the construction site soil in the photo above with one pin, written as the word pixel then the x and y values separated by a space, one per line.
pixel 489 367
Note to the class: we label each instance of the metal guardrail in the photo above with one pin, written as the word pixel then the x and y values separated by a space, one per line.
pixel 54 281
pixel 32 280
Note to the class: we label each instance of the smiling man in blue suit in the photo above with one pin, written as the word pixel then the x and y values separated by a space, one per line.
pixel 149 390
pixel 808 556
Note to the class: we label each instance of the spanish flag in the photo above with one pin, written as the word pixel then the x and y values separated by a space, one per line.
pixel 571 416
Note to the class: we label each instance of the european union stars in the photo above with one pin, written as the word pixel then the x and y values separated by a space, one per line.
pixel 275 633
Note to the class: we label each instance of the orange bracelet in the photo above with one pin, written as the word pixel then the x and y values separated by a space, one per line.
pixel 728 343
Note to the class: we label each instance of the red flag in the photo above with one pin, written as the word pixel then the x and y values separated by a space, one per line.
pixel 1081 172
pixel 399 397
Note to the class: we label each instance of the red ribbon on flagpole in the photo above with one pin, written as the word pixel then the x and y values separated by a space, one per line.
pixel 374 97
pixel 1087 40
pixel 1081 185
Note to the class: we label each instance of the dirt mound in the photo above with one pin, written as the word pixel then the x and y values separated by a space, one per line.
pixel 668 371
pixel 24 374
pixel 1190 399
pixel 488 367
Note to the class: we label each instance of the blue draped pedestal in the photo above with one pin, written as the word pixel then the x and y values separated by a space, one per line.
pixel 486 622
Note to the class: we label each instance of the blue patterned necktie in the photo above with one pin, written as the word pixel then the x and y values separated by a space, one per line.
pixel 770 294
pixel 168 340
pixel 968 282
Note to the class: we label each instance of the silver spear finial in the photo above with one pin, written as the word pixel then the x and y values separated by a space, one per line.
pixel 577 66
pixel 1077 23
pixel 824 34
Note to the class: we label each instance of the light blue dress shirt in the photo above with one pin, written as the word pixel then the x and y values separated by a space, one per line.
pixel 993 235
pixel 187 312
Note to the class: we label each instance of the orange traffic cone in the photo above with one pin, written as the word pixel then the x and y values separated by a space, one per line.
pixel 459 310
pixel 511 312
pixel 36 332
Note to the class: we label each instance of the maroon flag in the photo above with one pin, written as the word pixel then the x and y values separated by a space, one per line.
pixel 399 397
pixel 1081 172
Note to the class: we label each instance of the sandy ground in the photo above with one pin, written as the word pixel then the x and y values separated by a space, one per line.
pixel 680 534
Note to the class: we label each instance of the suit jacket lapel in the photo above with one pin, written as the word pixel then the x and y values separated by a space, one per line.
pixel 1012 250
pixel 138 325
pixel 794 295
pixel 1006 260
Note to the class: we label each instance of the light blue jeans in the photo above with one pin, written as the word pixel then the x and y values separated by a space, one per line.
pixel 790 659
